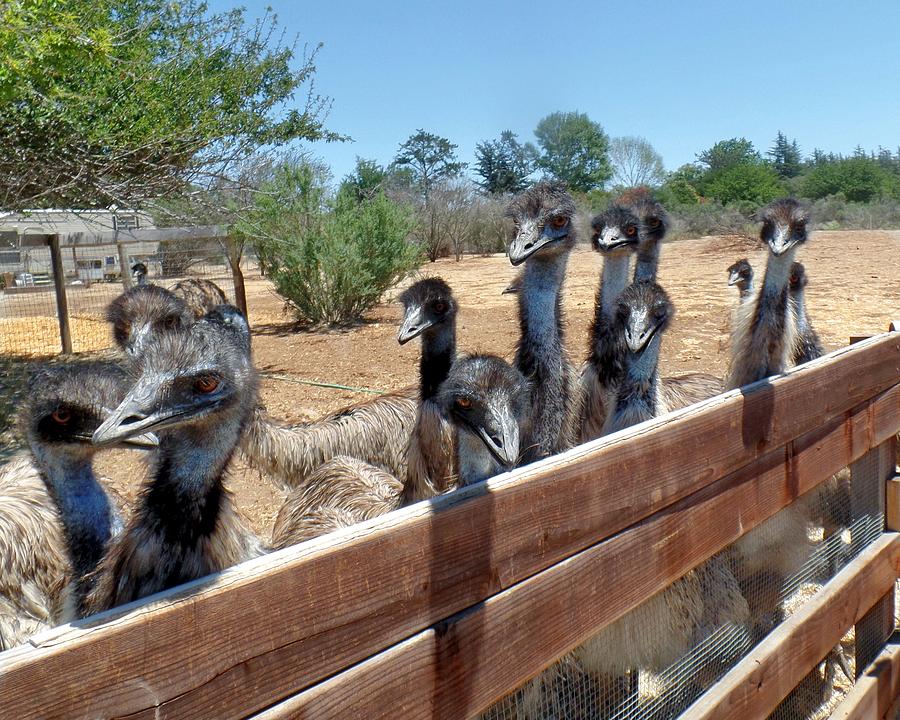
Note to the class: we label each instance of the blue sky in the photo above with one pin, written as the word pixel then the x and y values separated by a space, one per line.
pixel 682 74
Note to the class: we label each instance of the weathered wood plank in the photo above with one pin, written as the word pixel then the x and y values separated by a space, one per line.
pixel 756 685
pixel 254 635
pixel 876 689
pixel 463 664
pixel 892 503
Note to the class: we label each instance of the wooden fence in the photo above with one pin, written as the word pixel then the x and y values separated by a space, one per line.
pixel 441 608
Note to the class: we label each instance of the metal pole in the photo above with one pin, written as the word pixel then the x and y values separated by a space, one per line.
pixel 62 302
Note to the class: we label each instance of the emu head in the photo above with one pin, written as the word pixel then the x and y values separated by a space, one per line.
pixel 643 311
pixel 544 218
pixel 66 403
pixel 784 225
pixel 740 273
pixel 615 229
pixel 427 304
pixel 486 397
pixel 654 220
pixel 199 378
pixel 143 311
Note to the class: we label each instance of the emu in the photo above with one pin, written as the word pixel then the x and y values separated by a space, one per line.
pixel 197 389
pixel 664 627
pixel 56 518
pixel 430 311
pixel 543 238
pixel 199 295
pixel 376 431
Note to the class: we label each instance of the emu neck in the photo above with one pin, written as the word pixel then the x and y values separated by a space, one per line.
pixel 637 397
pixel 746 289
pixel 540 312
pixel 185 498
pixel 474 461
pixel 438 353
pixel 88 518
pixel 540 356
pixel 613 280
pixel 647 261
pixel 799 299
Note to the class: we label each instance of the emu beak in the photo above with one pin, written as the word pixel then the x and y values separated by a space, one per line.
pixel 733 278
pixel 512 288
pixel 414 324
pixel 781 241
pixel 611 239
pixel 530 239
pixel 500 435
pixel 139 413
pixel 639 331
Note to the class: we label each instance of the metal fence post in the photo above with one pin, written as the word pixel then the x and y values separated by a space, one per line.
pixel 62 302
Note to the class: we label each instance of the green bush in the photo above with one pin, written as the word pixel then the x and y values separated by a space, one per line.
pixel 857 179
pixel 330 260
pixel 755 183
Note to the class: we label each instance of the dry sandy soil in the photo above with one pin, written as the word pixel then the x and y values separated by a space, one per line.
pixel 854 290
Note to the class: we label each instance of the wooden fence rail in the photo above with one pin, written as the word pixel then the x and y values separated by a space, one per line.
pixel 439 609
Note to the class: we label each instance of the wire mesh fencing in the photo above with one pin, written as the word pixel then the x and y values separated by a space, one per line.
pixel 655 661
pixel 93 275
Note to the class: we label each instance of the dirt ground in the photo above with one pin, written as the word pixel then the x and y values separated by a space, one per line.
pixel 854 289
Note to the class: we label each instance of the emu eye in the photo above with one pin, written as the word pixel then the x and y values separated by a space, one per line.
pixel 171 322
pixel 631 231
pixel 439 307
pixel 61 416
pixel 559 222
pixel 206 384
pixel 654 222
pixel 463 402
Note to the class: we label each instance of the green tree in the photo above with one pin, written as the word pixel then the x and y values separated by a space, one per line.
pixel 752 183
pixel 430 158
pixel 858 179
pixel 574 149
pixel 635 162
pixel 366 180
pixel 331 259
pixel 115 101
pixel 504 164
pixel 786 157
pixel 726 154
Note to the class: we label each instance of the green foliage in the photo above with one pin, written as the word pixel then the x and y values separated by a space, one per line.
pixel 749 183
pixel 365 182
pixel 858 179
pixel 330 260
pixel 429 158
pixel 574 149
pixel 786 157
pixel 114 101
pixel 726 154
pixel 504 164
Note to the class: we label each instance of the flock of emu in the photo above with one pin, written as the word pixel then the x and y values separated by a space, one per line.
pixel 186 390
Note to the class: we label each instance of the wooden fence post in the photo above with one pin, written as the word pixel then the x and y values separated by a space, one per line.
pixel 870 476
pixel 125 275
pixel 62 302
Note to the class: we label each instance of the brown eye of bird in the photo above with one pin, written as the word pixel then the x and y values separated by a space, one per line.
pixel 654 223
pixel 206 383
pixel 439 307
pixel 559 222
pixel 631 231
pixel 464 403
pixel 61 416
pixel 171 322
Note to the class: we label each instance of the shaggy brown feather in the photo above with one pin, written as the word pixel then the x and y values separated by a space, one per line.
pixel 199 295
